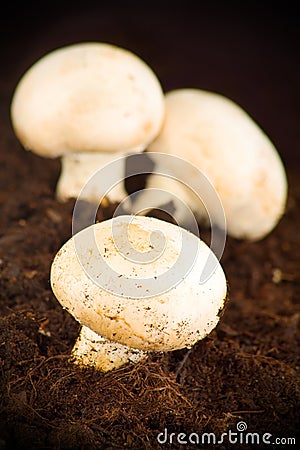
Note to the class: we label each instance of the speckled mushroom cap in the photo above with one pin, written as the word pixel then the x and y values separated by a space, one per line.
pixel 221 139
pixel 171 319
pixel 87 97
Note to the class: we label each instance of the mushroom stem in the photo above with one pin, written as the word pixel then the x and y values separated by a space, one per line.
pixel 78 168
pixel 93 350
pixel 172 197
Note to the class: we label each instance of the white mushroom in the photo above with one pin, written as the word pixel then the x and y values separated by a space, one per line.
pixel 216 136
pixel 89 103
pixel 137 285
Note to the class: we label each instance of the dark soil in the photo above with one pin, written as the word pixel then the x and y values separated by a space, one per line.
pixel 247 369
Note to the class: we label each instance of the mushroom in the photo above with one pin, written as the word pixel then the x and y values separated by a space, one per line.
pixel 137 285
pixel 218 137
pixel 89 103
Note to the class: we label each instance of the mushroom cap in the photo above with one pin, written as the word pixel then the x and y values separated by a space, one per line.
pixel 181 311
pixel 222 140
pixel 87 97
